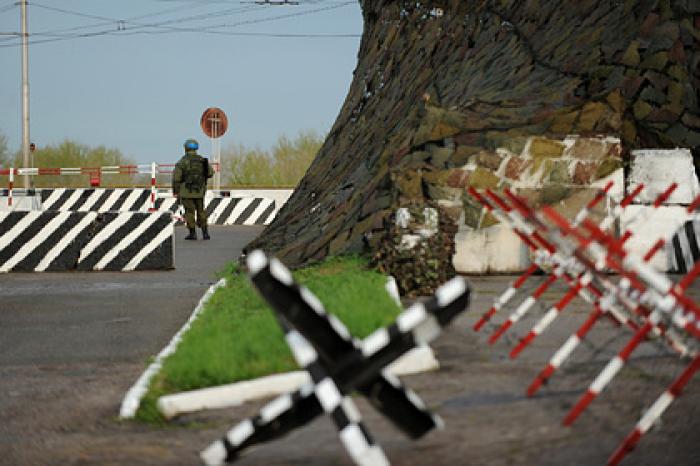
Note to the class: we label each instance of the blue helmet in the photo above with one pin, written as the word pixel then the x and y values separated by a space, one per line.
pixel 191 144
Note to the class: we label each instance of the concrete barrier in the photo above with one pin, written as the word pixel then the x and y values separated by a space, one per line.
pixel 36 241
pixel 656 169
pixel 96 200
pixel 684 248
pixel 246 210
pixel 116 229
pixel 222 207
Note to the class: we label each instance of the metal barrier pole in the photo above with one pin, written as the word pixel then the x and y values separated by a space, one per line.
pixel 10 185
pixel 153 187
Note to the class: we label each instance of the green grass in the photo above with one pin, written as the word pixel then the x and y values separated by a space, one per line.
pixel 236 337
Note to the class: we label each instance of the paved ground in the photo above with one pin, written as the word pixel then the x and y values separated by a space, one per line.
pixel 64 369
pixel 72 343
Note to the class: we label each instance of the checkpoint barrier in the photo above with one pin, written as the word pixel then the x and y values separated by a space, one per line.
pixel 94 174
pixel 222 207
pixel 35 241
pixel 96 200
pixel 582 253
pixel 226 210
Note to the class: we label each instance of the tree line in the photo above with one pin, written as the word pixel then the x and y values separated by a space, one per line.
pixel 281 166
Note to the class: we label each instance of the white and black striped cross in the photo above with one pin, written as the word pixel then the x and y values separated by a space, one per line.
pixel 339 365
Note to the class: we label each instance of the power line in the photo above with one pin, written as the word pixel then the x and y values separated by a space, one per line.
pixel 106 20
pixel 118 26
pixel 139 28
pixel 200 17
pixel 290 35
pixel 120 22
pixel 286 16
pixel 212 29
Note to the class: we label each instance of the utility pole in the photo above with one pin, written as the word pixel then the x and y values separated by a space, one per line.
pixel 25 92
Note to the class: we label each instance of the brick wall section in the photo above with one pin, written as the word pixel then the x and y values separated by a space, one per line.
pixel 432 92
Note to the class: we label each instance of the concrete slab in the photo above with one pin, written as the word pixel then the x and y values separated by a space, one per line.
pixel 658 168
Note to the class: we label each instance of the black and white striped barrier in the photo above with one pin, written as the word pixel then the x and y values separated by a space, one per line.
pixel 36 241
pixel 228 210
pixel 339 365
pixel 96 200
pixel 684 248
pixel 221 209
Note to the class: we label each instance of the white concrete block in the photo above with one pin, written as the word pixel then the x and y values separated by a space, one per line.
pixel 648 225
pixel 493 249
pixel 230 395
pixel 658 168
pixel 419 359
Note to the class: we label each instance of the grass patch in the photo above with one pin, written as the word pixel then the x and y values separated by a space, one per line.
pixel 236 337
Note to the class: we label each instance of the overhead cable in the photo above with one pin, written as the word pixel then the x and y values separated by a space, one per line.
pixel 125 27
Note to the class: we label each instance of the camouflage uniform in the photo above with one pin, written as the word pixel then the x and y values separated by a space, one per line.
pixel 190 185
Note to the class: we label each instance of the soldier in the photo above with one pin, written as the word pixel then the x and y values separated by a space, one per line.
pixel 190 185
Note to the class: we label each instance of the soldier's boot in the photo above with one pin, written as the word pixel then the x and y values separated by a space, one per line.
pixel 192 235
pixel 205 233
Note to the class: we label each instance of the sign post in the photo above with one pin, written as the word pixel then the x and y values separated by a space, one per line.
pixel 214 124
pixel 25 93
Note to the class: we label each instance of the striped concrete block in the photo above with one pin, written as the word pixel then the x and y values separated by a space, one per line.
pixel 96 200
pixel 221 210
pixel 240 211
pixel 684 248
pixel 38 241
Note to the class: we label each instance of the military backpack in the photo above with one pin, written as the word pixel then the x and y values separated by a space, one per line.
pixel 196 174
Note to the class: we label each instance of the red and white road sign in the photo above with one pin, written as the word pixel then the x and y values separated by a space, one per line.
pixel 214 122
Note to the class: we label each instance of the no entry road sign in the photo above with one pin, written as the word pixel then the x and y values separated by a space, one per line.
pixel 214 122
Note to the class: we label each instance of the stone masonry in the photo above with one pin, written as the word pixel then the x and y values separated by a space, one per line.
pixel 451 94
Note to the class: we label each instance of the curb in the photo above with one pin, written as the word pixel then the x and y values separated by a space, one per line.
pixel 132 399
pixel 419 359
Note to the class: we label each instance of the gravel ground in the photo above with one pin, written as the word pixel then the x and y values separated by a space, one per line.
pixel 65 413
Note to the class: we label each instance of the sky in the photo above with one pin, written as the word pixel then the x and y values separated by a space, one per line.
pixel 136 75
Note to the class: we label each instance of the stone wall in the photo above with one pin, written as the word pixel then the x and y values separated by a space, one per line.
pixel 441 85
pixel 566 174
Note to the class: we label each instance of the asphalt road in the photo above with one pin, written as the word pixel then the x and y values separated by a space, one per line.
pixel 62 332
pixel 71 347
pixel 50 318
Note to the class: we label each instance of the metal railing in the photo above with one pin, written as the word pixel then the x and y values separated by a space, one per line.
pixel 95 174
